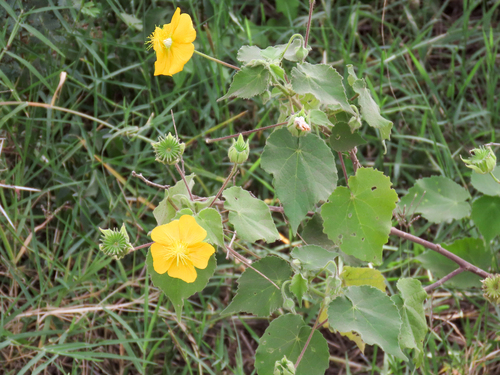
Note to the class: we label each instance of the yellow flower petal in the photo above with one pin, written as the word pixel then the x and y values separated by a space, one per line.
pixel 190 231
pixel 184 32
pixel 176 18
pixel 161 63
pixel 185 272
pixel 179 55
pixel 166 234
pixel 161 259
pixel 200 253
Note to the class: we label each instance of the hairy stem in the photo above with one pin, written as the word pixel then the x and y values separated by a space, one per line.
pixel 235 167
pixel 212 140
pixel 247 263
pixel 144 179
pixel 311 8
pixel 444 279
pixel 496 179
pixel 343 168
pixel 216 60
pixel 437 248
pixel 308 339
pixel 141 247
pixel 184 179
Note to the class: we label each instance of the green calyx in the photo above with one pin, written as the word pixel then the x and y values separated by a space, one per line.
pixel 284 367
pixel 239 151
pixel 491 288
pixel 168 149
pixel 115 242
pixel 482 160
pixel 297 124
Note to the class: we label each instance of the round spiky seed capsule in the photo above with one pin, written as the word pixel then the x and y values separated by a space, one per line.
pixel 168 149
pixel 491 288
pixel 483 160
pixel 115 242
pixel 239 151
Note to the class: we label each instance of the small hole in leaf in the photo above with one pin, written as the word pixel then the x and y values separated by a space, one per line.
pixel 340 236
pixel 363 239
pixel 349 215
pixel 337 137
pixel 374 188
pixel 353 235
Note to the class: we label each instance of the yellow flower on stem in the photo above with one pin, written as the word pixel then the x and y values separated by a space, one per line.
pixel 178 248
pixel 173 44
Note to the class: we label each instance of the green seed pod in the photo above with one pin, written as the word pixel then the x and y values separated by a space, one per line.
pixel 239 151
pixel 482 161
pixel 491 289
pixel 284 367
pixel 115 242
pixel 168 149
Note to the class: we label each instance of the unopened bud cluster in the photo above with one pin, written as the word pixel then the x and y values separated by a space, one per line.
pixel 482 160
pixel 115 242
pixel 239 151
pixel 284 367
pixel 168 149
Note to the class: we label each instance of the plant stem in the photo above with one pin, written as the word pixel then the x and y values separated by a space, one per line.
pixel 208 140
pixel 444 279
pixel 134 174
pixel 185 182
pixel 343 168
pixel 311 8
pixel 141 247
pixel 355 162
pixel 247 263
pixel 308 339
pixel 496 179
pixel 235 167
pixel 437 248
pixel 216 60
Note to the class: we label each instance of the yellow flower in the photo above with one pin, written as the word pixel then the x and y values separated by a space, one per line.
pixel 178 248
pixel 173 44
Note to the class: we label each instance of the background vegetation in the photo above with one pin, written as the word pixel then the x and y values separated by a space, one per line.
pixel 66 308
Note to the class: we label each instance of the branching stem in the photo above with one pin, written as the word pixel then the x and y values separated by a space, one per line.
pixel 466 266
pixel 212 140
pixel 150 183
pixel 247 263
pixel 185 182
pixel 444 279
pixel 308 339
pixel 233 171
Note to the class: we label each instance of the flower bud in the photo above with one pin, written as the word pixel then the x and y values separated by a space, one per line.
pixel 491 288
pixel 115 242
pixel 297 125
pixel 301 53
pixel 168 149
pixel 284 367
pixel 239 151
pixel 482 161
